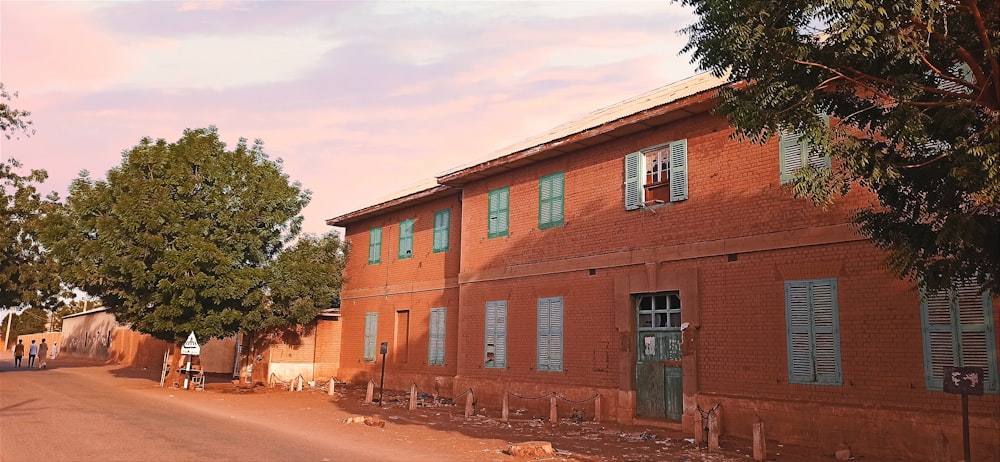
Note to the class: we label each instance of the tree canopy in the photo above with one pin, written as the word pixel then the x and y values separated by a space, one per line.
pixel 27 275
pixel 913 89
pixel 180 237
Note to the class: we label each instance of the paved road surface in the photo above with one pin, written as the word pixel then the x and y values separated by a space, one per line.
pixel 99 413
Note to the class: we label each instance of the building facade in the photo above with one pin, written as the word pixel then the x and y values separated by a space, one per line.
pixel 643 254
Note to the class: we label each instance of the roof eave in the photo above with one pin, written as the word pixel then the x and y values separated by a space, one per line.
pixel 392 204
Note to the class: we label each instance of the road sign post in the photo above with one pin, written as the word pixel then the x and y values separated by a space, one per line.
pixel 190 348
pixel 384 348
pixel 964 381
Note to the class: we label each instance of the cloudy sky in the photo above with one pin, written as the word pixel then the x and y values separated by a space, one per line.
pixel 359 99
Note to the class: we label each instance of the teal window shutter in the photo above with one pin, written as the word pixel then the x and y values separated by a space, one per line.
pixel 406 239
pixel 550 201
pixel 958 331
pixel 794 153
pixel 813 332
pixel 678 171
pixel 550 334
pixel 371 335
pixel 496 334
pixel 635 193
pixel 374 246
pixel 438 323
pixel 442 226
pixel 499 211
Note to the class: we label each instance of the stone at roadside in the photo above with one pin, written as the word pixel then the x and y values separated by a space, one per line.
pixel 531 449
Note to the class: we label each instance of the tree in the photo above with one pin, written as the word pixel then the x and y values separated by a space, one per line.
pixel 29 321
pixel 179 238
pixel 28 277
pixel 913 89
pixel 304 280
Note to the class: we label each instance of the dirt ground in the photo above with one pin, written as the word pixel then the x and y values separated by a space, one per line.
pixel 573 439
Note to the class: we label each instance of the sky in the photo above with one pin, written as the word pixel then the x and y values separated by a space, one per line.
pixel 360 100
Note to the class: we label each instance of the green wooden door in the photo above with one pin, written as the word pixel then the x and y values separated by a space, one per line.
pixel 658 371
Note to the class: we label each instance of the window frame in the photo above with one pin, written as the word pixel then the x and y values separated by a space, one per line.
pixel 442 230
pixel 498 213
pixel 813 345
pixel 549 203
pixel 957 329
pixel 636 187
pixel 405 239
pixel 550 328
pixel 437 336
pixel 375 246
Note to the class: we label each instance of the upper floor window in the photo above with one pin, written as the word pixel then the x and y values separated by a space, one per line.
pixel 374 245
pixel 550 201
pixel 499 212
pixel 406 239
pixel 657 174
pixel 795 152
pixel 442 225
pixel 958 331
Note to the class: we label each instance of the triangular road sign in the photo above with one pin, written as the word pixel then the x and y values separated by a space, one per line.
pixel 191 346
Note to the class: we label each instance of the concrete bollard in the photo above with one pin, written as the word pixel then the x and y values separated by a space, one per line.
pixel 713 430
pixel 470 408
pixel 759 441
pixel 370 394
pixel 413 397
pixel 700 436
pixel 597 408
pixel 504 413
pixel 333 386
pixel 299 387
pixel 553 414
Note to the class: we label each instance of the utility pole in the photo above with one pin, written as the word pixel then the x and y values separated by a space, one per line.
pixel 6 337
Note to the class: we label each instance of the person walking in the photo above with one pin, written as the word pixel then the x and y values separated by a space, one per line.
pixel 55 350
pixel 43 354
pixel 32 352
pixel 18 352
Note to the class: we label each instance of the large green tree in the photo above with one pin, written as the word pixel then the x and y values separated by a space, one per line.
pixel 913 89
pixel 28 277
pixel 180 237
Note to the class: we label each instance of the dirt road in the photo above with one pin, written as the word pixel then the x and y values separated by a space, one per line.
pixel 79 411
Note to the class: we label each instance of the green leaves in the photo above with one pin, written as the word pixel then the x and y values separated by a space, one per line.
pixel 914 90
pixel 180 236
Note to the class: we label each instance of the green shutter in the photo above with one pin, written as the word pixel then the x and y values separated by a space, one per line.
pixel 800 365
pixel 438 323
pixel 678 171
pixel 496 334
pixel 550 334
pixel 790 154
pixel 406 239
pixel 813 328
pixel 635 193
pixel 375 245
pixel 958 331
pixel 442 225
pixel 371 335
pixel 550 201
pixel 499 210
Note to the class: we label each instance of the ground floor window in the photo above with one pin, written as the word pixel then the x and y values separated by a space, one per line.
pixel 958 331
pixel 371 331
pixel 813 330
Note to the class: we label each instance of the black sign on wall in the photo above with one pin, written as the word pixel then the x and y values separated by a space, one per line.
pixel 963 380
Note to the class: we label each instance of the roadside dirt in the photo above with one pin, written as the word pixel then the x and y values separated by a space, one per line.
pixel 573 439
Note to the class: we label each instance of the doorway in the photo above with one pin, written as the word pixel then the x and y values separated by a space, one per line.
pixel 659 391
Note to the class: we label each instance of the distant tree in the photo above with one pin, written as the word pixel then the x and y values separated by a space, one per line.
pixel 913 89
pixel 28 277
pixel 29 321
pixel 180 237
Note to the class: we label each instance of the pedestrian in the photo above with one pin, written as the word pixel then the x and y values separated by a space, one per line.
pixel 55 349
pixel 18 352
pixel 43 354
pixel 32 352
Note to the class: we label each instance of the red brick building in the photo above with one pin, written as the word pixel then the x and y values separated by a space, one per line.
pixel 642 254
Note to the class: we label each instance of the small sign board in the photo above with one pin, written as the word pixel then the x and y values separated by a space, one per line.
pixel 191 346
pixel 963 380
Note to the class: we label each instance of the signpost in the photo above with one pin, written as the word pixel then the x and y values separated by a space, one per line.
pixel 190 348
pixel 964 381
pixel 384 348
